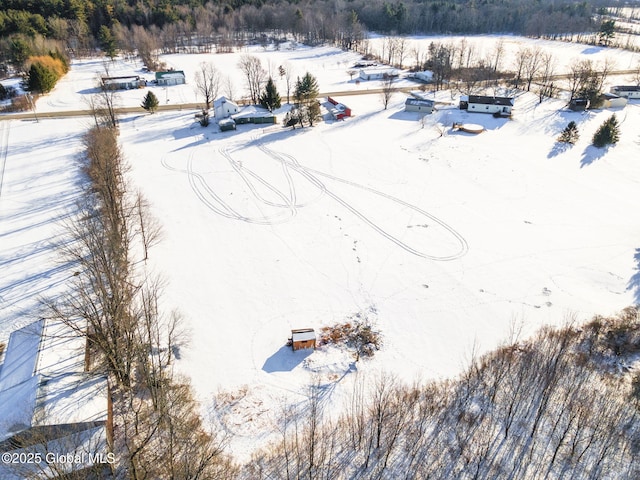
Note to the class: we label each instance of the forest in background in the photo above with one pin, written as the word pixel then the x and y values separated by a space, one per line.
pixel 82 26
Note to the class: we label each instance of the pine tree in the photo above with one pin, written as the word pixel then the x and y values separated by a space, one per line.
pixel 150 102
pixel 270 98
pixel 608 133
pixel 41 78
pixel 570 133
pixel 306 93
pixel 107 41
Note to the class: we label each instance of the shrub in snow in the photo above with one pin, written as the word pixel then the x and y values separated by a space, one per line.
pixel 358 334
pixel 608 133
pixel 570 133
pixel 204 118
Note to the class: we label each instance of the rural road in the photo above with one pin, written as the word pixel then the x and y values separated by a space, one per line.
pixel 195 106
pixel 170 107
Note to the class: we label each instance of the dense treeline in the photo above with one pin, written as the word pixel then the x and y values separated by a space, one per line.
pixel 50 17
pixel 554 407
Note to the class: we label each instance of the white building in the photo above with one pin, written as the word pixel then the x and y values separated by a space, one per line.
pixel 223 108
pixel 626 91
pixel 483 104
pixel 378 73
pixel 49 403
pixel 423 105
pixel 426 76
pixel 172 77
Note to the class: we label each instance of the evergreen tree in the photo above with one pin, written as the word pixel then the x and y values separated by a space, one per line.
pixel 570 133
pixel 270 98
pixel 40 78
pixel 608 133
pixel 107 41
pixel 150 102
pixel 306 93
pixel 607 31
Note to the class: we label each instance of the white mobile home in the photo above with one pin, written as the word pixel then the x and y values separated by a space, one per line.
pixel 379 73
pixel 483 104
pixel 626 91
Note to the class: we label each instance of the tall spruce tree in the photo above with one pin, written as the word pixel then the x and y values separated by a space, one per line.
pixel 270 98
pixel 306 95
pixel 107 41
pixel 150 102
pixel 608 133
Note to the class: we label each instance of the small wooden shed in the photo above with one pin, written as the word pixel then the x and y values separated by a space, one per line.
pixel 579 104
pixel 302 338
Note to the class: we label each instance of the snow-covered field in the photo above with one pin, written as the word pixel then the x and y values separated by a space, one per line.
pixel 447 240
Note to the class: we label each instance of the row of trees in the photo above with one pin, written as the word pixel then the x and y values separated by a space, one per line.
pixel 206 25
pixel 607 134
pixel 402 16
pixel 158 432
pixel 549 408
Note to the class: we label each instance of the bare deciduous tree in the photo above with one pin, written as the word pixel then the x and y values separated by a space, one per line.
pixel 254 74
pixel 207 80
pixel 387 90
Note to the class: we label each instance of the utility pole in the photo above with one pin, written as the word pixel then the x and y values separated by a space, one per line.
pixel 33 106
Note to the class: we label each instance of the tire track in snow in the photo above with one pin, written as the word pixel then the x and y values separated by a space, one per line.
pixel 310 173
pixel 288 201
pixel 4 150
pixel 209 198
pixel 206 194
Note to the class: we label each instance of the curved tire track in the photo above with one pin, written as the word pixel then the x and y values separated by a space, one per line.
pixel 310 173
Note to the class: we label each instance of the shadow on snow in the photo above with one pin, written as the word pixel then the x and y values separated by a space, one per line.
pixel 634 281
pixel 285 359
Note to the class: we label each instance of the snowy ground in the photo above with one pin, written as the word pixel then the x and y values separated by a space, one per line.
pixel 446 239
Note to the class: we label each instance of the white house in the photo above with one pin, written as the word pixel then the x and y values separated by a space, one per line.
pixel 426 76
pixel 123 83
pixel 626 91
pixel 484 104
pixel 378 73
pixel 50 403
pixel 172 77
pixel 224 108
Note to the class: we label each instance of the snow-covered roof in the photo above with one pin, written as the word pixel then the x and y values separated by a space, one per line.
pixel 253 111
pixel 626 88
pixel 170 74
pixel 303 335
pixel 128 78
pixel 423 102
pixel 426 74
pixel 43 382
pixel 380 71
pixel 483 100
pixel 221 100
